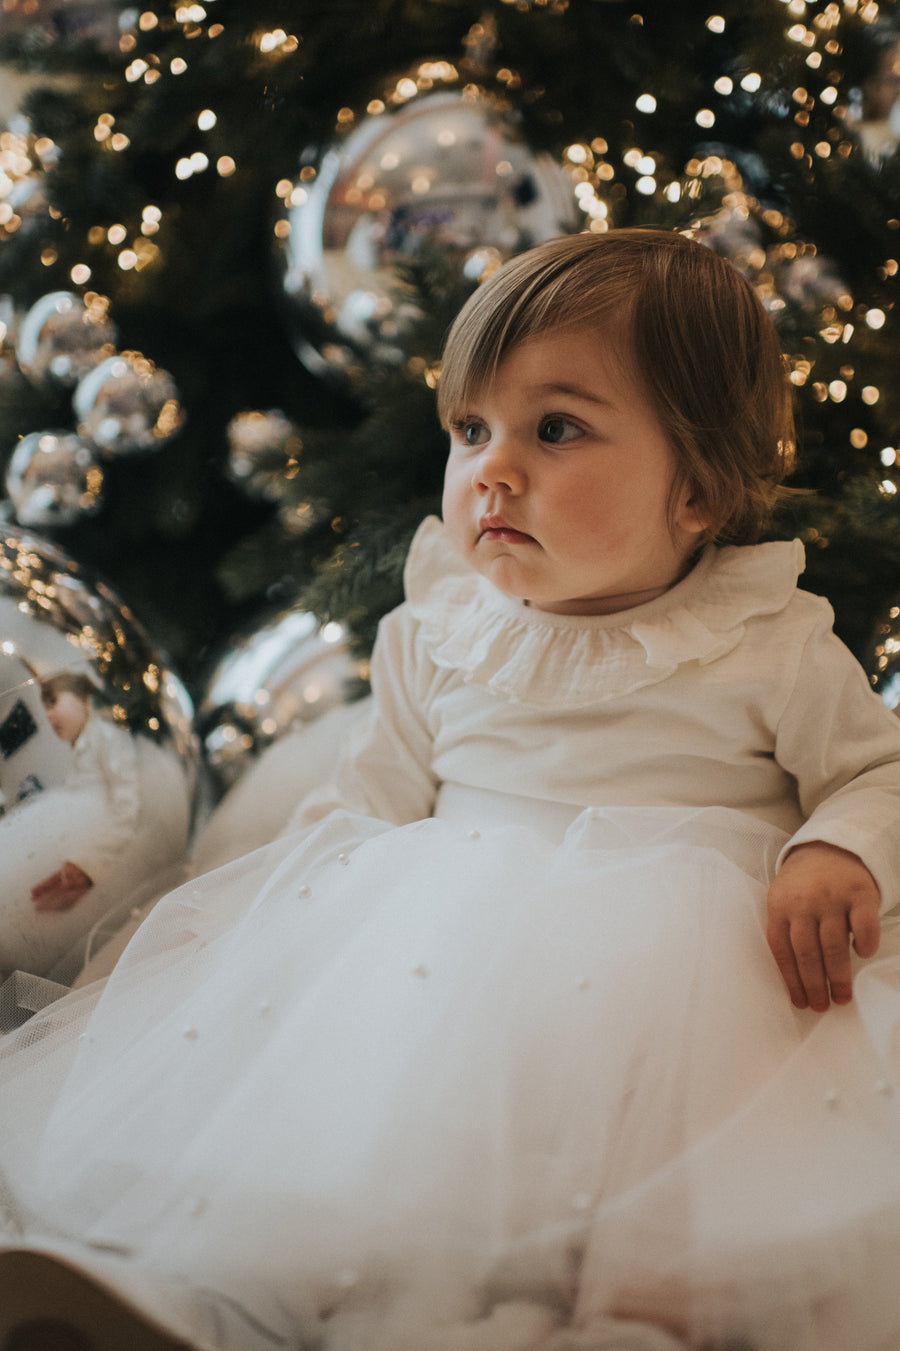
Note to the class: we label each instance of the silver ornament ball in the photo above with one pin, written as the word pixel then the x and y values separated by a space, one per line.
pixel 97 756
pixel 53 479
pixel 271 679
pixel 449 167
pixel 263 452
pixel 883 660
pixel 126 405
pixel 62 337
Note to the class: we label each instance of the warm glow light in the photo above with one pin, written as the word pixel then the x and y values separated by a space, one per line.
pixel 206 120
pixel 645 103
pixel 225 166
pixel 705 118
pixel 724 84
pixel 751 82
pixel 715 23
pixel 875 318
pixel 871 394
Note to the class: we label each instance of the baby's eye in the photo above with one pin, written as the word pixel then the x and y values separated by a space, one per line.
pixel 472 433
pixel 558 430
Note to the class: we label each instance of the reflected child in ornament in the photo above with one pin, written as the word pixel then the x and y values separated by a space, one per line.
pixel 84 827
pixel 565 1018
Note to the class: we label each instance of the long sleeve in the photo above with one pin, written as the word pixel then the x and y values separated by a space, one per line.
pixel 107 754
pixel 843 747
pixel 385 769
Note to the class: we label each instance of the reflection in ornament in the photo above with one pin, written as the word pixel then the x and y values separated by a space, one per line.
pixel 873 111
pixel 450 168
pixel 53 479
pixel 263 453
pixel 884 665
pixel 272 679
pixel 786 272
pixel 126 405
pixel 9 365
pixel 97 760
pixel 61 337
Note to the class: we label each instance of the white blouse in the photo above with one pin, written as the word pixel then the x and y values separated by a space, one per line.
pixel 729 690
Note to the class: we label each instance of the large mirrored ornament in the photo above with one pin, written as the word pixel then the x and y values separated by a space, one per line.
pixel 61 337
pixel 98 762
pixel 272 679
pixel 53 479
pixel 263 453
pixel 127 405
pixel 448 167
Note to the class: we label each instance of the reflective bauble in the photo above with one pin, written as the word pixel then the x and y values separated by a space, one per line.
pixel 9 365
pixel 53 479
pixel 449 167
pixel 884 661
pixel 272 679
pixel 263 453
pixel 126 405
pixel 61 338
pixel 98 760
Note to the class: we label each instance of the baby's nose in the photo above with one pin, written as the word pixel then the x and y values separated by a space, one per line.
pixel 499 467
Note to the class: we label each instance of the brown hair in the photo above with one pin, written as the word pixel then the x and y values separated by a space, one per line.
pixel 688 325
pixel 67 682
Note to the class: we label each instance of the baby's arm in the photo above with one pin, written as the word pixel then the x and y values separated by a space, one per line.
pixel 62 889
pixel 822 898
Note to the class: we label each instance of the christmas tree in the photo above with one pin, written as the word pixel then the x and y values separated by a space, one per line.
pixel 256 222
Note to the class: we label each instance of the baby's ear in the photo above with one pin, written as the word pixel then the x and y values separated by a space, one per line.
pixel 690 516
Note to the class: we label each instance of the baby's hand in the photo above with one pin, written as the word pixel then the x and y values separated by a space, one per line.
pixel 822 897
pixel 62 889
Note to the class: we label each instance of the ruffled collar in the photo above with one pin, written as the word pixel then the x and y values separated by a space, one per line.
pixel 570 661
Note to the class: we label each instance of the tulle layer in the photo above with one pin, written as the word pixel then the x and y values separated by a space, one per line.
pixel 429 1088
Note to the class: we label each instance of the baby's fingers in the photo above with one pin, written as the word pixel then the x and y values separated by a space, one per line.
pixel 865 925
pixel 812 958
pixel 834 936
pixel 779 937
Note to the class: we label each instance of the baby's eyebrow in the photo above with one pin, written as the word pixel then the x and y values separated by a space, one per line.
pixel 579 392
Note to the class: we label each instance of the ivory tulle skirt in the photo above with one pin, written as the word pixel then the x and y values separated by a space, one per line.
pixel 426 1088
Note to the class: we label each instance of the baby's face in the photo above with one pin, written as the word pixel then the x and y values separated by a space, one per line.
pixel 67 715
pixel 558 480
